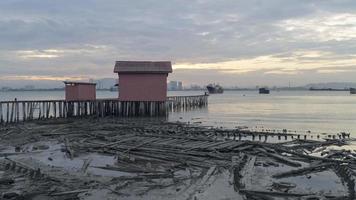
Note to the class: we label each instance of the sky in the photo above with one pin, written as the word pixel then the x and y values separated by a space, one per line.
pixel 231 42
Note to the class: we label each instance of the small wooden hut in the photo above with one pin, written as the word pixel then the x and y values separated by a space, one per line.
pixel 143 80
pixel 79 91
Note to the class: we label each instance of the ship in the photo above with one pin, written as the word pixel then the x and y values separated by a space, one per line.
pixel 263 90
pixel 352 90
pixel 114 88
pixel 328 89
pixel 215 89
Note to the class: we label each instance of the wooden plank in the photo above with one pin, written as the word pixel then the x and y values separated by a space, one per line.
pixel 278 194
pixel 248 172
pixel 304 171
pixel 282 159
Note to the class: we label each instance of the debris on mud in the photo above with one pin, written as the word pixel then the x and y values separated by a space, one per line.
pixel 154 159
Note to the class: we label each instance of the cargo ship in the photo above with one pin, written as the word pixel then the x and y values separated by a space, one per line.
pixel 328 89
pixel 263 90
pixel 352 90
pixel 215 89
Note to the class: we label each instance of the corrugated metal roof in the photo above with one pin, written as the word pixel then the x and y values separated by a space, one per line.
pixel 143 67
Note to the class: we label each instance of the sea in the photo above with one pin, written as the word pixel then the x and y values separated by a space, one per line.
pixel 311 112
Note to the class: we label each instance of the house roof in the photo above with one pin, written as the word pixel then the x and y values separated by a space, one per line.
pixel 77 83
pixel 157 67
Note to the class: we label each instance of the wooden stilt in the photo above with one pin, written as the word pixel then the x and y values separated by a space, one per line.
pixel 11 111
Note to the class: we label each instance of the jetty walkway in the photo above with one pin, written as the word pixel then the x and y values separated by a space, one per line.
pixel 18 111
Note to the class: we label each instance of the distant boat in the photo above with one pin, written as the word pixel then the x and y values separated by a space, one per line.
pixel 263 90
pixel 328 89
pixel 114 88
pixel 215 89
pixel 352 90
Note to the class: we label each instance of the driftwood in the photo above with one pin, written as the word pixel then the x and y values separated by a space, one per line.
pixel 159 155
pixel 280 158
pixel 344 172
pixel 21 167
pixel 68 149
pixel 69 192
pixel 304 171
pixel 278 194
pixel 238 164
pixel 144 177
pixel 86 165
pixel 247 172
pixel 130 169
pixel 6 181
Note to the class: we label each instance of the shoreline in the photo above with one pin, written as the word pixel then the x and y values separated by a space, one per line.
pixel 140 158
pixel 303 134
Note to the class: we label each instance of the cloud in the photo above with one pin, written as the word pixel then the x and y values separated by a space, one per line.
pixel 36 54
pixel 86 50
pixel 286 63
pixel 41 78
pixel 322 27
pixel 230 37
pixel 283 72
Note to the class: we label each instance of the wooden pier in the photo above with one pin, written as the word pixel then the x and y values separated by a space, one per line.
pixel 18 111
pixel 185 103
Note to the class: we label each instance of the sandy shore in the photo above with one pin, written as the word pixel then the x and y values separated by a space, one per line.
pixel 153 159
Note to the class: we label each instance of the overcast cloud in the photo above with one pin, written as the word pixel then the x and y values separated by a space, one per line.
pixel 234 42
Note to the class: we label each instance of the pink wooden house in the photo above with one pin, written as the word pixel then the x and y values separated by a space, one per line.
pixel 78 91
pixel 143 80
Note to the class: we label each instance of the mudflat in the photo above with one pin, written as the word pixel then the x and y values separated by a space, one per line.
pixel 139 158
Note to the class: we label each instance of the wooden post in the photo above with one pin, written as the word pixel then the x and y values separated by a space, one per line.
pixel 30 111
pixel 23 111
pixel 1 114
pixel 12 112
pixel 7 112
pixel 48 104
pixel 17 112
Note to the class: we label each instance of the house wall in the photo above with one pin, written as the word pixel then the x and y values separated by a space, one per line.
pixel 143 87
pixel 80 92
pixel 71 92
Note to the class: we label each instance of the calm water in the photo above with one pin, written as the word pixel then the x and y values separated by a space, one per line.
pixel 315 111
pixel 302 111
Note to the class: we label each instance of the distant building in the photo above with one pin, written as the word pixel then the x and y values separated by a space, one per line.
pixel 175 85
pixel 143 80
pixel 79 91
pixel 180 85
pixel 29 87
pixel 99 85
pixel 6 88
pixel 172 85
pixel 195 87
